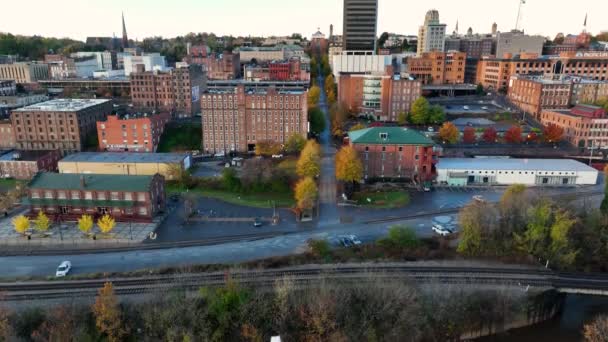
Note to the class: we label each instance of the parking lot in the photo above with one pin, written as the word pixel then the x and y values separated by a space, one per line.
pixel 473 108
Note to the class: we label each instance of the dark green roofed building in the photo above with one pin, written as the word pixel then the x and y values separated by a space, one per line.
pixel 395 153
pixel 69 196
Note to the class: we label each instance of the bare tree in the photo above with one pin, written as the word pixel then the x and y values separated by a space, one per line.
pixel 597 331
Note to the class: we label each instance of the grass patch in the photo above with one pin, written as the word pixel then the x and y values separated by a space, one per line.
pixel 382 199
pixel 180 137
pixel 255 200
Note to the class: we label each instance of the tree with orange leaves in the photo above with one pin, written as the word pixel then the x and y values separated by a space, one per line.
pixel 553 133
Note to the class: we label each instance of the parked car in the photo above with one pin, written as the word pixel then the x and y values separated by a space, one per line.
pixel 257 222
pixel 345 242
pixel 63 269
pixel 442 231
pixel 220 155
pixel 466 108
pixel 277 156
pixel 355 240
pixel 479 198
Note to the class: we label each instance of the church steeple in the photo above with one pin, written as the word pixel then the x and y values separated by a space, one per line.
pixel 125 39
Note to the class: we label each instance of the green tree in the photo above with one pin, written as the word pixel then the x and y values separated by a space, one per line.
pixel 295 143
pixel 604 205
pixel 436 115
pixel 317 120
pixel 230 181
pixel 309 163
pixel 478 224
pixel 420 112
pixel 402 119
pixel 225 307
pixel 479 89
pixel 306 193
pixel 400 236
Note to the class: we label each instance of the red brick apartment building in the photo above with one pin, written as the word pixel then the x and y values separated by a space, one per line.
pixel 438 67
pixel 65 196
pixel 132 133
pixel 62 124
pixel 26 164
pixel 394 152
pixel 495 73
pixel 584 126
pixel 224 66
pixel 236 119
pixel 177 91
pixel 382 96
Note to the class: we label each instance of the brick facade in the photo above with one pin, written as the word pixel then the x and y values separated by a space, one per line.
pixel 136 134
pixel 26 164
pixel 438 67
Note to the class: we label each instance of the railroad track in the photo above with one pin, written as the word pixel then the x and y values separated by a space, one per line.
pixel 300 276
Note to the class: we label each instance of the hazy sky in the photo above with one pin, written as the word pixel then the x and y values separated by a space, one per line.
pixel 81 18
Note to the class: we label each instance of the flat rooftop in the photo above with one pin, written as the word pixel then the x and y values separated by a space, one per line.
pixel 125 157
pixel 62 105
pixel 22 155
pixel 513 164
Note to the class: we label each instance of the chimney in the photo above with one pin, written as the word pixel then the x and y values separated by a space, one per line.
pixel 83 182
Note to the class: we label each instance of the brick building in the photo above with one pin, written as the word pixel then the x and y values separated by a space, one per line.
pixel 584 126
pixel 26 164
pixel 438 67
pixel 135 133
pixel 224 66
pixel 63 124
pixel 394 152
pixel 532 94
pixel 69 196
pixel 495 73
pixel 474 46
pixel 8 87
pixel 176 91
pixel 288 70
pixel 235 119
pixel 384 96
pixel 7 135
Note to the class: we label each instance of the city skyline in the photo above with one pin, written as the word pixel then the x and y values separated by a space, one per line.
pixel 240 18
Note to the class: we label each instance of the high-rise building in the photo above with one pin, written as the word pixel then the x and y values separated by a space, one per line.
pixel 431 35
pixel 360 25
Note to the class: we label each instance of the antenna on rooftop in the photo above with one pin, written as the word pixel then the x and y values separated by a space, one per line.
pixel 519 14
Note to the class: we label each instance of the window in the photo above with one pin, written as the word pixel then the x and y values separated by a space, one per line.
pixel 88 195
pixel 61 195
pixel 35 194
pixel 48 194
pixel 75 194
pixel 101 196
pixel 114 196
pixel 128 196
pixel 383 136
pixel 143 211
pixel 141 196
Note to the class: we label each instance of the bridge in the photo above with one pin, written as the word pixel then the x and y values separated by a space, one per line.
pixel 522 278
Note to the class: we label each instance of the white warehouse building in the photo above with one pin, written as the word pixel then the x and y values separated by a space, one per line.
pixel 507 171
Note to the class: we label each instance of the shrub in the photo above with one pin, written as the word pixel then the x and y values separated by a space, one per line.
pixel 319 248
pixel 400 237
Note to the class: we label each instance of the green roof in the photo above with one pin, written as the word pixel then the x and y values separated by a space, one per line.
pixel 69 181
pixel 395 136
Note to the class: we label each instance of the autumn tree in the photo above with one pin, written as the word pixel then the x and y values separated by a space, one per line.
pixel 21 224
pixel 513 135
pixel 490 135
pixel 420 112
pixel 553 133
pixel 42 222
pixel 267 148
pixel 469 135
pixel 330 83
pixel 108 315
pixel 449 133
pixel 331 96
pixel 306 193
pixel 597 330
pixel 60 325
pixel 478 222
pixel 309 163
pixel 357 127
pixel 402 119
pixel 348 165
pixel 338 114
pixel 106 223
pixel 532 137
pixel 314 94
pixel 295 143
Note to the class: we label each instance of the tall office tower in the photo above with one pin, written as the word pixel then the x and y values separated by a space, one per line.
pixel 360 25
pixel 431 35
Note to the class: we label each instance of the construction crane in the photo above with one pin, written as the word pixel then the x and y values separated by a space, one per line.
pixel 519 14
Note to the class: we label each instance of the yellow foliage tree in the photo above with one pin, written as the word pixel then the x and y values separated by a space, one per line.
pixel 331 96
pixel 85 223
pixel 357 127
pixel 106 223
pixel 309 163
pixel 21 223
pixel 348 165
pixel 314 94
pixel 42 222
pixel 267 148
pixel 306 193
pixel 449 133
pixel 108 316
pixel 330 83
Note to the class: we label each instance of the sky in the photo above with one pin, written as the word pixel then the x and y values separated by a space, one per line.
pixel 144 18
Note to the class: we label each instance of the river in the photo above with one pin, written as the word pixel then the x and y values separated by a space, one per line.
pixel 566 327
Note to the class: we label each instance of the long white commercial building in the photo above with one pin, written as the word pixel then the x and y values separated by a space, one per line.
pixel 507 171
